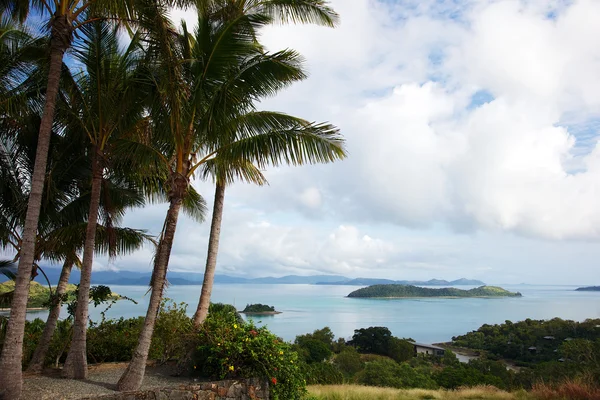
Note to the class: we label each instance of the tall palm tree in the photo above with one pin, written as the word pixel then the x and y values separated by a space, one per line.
pixel 104 105
pixel 64 211
pixel 207 82
pixel 64 18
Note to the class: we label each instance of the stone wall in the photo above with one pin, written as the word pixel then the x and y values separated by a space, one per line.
pixel 249 389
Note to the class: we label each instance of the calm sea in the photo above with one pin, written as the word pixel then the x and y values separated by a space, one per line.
pixel 309 307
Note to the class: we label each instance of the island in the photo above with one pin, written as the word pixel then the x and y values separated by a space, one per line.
pixel 260 309
pixel 409 291
pixel 589 289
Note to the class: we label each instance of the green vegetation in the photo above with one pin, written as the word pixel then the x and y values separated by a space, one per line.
pixel 402 291
pixel 259 309
pixel 228 347
pixel 39 295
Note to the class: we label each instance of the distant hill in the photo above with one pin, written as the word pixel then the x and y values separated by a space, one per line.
pixel 189 278
pixel 431 282
pixel 589 289
pixel 407 291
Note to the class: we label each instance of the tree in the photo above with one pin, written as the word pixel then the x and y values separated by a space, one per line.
pixel 64 213
pixel 287 11
pixel 64 18
pixel 213 89
pixel 109 78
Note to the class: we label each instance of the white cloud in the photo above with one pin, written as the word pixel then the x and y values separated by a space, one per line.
pixel 398 78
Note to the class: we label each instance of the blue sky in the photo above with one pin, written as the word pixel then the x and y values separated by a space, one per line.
pixel 472 130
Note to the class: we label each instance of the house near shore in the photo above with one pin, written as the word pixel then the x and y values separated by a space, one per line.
pixel 421 348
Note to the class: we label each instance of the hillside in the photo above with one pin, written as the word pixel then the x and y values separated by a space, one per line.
pixel 407 291
pixel 39 295
pixel 589 289
pixel 431 282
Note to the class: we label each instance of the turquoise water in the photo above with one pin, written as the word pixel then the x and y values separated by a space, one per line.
pixel 309 307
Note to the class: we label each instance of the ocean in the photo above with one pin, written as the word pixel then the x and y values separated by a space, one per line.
pixel 308 307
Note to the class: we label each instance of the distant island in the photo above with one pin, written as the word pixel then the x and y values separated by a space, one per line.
pixel 431 282
pixel 260 309
pixel 589 289
pixel 408 291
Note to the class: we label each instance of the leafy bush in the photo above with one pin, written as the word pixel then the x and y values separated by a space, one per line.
pixel 323 373
pixel 226 311
pixel 313 351
pixel 231 349
pixel 348 361
pixel 113 339
pixel 172 332
pixel 385 372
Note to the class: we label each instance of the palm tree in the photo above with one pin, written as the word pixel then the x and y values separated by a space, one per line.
pixel 206 84
pixel 104 105
pixel 64 18
pixel 64 212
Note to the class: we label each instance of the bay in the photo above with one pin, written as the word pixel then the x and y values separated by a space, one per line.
pixel 309 307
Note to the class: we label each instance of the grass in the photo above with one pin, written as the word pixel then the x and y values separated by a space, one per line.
pixel 357 392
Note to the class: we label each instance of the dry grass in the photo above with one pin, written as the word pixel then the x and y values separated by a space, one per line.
pixel 568 390
pixel 356 392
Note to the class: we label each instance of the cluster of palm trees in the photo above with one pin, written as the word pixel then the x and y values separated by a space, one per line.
pixel 136 110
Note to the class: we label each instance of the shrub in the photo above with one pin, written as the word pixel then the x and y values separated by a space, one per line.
pixel 171 333
pixel 348 361
pixel 386 372
pixel 113 339
pixel 323 373
pixel 232 349
pixel 314 351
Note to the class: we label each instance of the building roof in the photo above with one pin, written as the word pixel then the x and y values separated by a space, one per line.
pixel 428 346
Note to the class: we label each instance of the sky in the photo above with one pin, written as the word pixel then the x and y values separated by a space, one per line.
pixel 472 132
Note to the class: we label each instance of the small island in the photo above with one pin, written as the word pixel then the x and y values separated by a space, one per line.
pixel 260 309
pixel 409 291
pixel 589 289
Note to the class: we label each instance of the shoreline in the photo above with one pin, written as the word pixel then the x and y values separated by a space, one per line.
pixel 28 309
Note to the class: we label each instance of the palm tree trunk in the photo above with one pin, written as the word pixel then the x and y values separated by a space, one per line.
pixel 12 353
pixel 211 258
pixel 134 374
pixel 76 363
pixel 39 356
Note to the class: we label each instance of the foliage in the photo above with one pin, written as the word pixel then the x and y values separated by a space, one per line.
pixel 230 349
pixel 394 290
pixel 348 361
pixel 258 308
pixel 113 340
pixel 313 350
pixel 225 311
pixel 379 340
pixel 172 331
pixel 386 372
pixel 514 340
pixel 39 295
pixel 323 373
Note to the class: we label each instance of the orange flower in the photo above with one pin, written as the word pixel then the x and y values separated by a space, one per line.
pixel 274 380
